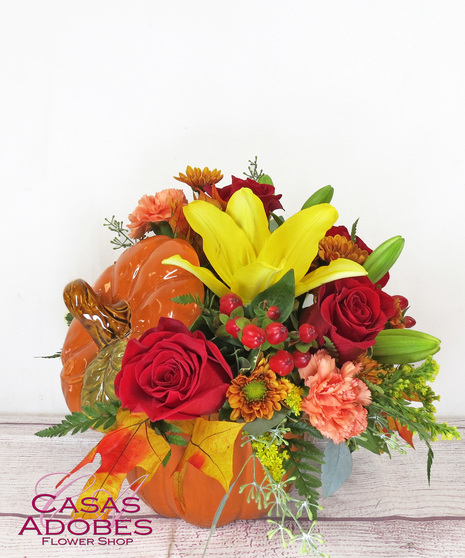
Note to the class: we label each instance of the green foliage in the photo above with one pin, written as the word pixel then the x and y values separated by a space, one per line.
pixel 265 179
pixel 188 298
pixel 56 355
pixel 176 440
pixel 330 347
pixel 102 415
pixel 276 222
pixel 253 173
pixel 353 231
pixel 375 437
pixel 429 463
pixel 258 427
pixel 121 240
pixel 69 318
pixel 304 461
pixel 337 467
pixel 162 228
pixel 404 395
pixel 281 294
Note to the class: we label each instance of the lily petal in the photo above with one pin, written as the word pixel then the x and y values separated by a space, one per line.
pixel 294 244
pixel 253 279
pixel 337 269
pixel 225 244
pixel 248 212
pixel 202 273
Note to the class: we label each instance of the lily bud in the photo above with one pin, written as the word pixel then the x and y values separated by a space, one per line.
pixel 323 195
pixel 380 261
pixel 402 346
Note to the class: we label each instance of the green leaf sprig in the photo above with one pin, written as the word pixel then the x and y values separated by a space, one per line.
pixel 102 415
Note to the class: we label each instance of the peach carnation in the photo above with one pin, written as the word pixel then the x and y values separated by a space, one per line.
pixel 335 402
pixel 163 206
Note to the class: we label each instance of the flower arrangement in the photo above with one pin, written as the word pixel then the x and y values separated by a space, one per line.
pixel 261 332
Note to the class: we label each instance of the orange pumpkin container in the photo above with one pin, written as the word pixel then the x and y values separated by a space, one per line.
pixel 127 299
pixel 130 297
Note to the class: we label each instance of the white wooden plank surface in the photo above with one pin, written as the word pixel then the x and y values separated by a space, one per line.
pixel 386 509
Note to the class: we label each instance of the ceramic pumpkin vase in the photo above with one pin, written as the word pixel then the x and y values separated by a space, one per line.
pixel 126 300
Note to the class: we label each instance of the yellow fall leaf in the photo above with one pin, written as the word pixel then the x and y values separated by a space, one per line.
pixel 211 450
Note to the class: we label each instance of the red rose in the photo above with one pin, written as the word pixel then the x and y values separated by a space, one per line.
pixel 351 312
pixel 265 192
pixel 342 231
pixel 171 373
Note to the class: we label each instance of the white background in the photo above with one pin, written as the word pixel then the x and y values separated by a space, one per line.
pixel 104 101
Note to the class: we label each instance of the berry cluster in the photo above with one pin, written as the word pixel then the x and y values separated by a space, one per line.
pixel 406 321
pixel 288 349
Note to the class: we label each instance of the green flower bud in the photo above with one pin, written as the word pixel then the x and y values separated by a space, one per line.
pixel 323 195
pixel 401 346
pixel 380 261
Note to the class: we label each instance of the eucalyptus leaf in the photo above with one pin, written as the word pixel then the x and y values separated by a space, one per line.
pixel 258 427
pixel 336 468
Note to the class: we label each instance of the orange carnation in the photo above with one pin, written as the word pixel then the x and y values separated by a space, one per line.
pixel 163 206
pixel 335 402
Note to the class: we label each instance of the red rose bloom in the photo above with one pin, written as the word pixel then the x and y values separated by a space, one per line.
pixel 265 192
pixel 351 312
pixel 171 373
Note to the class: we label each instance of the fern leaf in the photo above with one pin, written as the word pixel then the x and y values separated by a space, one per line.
pixel 187 299
pixel 103 414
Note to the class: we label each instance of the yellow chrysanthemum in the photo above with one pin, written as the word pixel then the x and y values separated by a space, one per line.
pixel 257 396
pixel 197 178
pixel 332 247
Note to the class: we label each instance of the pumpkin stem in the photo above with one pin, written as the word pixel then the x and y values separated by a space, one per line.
pixel 104 322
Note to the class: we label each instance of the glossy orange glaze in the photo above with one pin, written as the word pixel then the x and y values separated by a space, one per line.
pixel 138 277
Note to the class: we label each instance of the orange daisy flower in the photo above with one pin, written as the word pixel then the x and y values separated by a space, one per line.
pixel 337 246
pixel 371 370
pixel 197 178
pixel 259 395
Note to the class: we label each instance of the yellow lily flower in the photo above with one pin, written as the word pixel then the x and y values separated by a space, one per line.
pixel 249 258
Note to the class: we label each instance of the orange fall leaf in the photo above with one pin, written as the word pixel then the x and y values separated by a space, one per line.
pixel 133 443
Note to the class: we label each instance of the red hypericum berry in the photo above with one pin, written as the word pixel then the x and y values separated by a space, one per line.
pixel 301 359
pixel 409 321
pixel 232 328
pixel 282 363
pixel 274 313
pixel 229 302
pixel 253 336
pixel 276 333
pixel 402 301
pixel 307 333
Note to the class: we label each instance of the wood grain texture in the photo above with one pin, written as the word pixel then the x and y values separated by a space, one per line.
pixel 386 509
